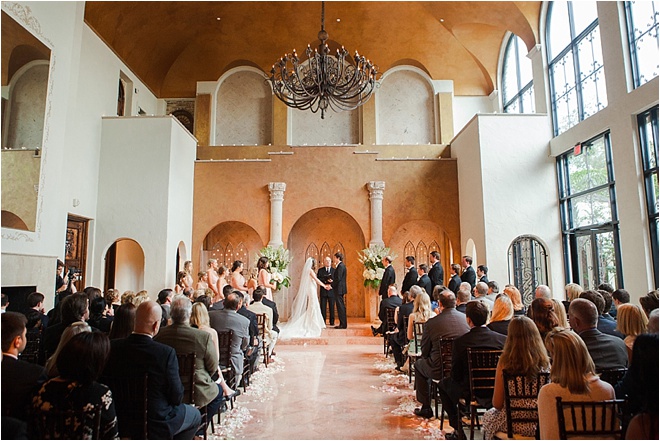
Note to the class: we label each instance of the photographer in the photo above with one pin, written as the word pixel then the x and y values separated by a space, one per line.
pixel 64 286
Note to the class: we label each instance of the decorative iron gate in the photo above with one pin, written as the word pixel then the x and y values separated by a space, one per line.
pixel 528 263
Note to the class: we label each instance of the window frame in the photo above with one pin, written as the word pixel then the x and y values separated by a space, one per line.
pixel 632 44
pixel 517 98
pixel 648 172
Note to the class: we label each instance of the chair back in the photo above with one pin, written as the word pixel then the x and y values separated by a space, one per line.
pixel 482 365
pixel 69 424
pixel 224 346
pixel 446 348
pixel 261 323
pixel 33 347
pixel 520 398
pixel 391 320
pixel 187 374
pixel 597 419
pixel 613 375
pixel 418 330
pixel 131 404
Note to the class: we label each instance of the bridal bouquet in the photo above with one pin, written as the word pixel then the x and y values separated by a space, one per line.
pixel 372 259
pixel 279 261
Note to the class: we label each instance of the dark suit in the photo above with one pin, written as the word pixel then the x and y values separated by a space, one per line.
pixel 455 283
pixel 20 381
pixel 327 295
pixel 437 275
pixel 457 385
pixel 448 324
pixel 426 283
pixel 339 288
pixel 385 304
pixel 484 279
pixel 409 280
pixel 608 326
pixel 400 339
pixel 276 316
pixel 469 276
pixel 389 277
pixel 607 351
pixel 138 354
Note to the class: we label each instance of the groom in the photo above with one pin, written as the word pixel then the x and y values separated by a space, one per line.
pixel 339 288
pixel 325 274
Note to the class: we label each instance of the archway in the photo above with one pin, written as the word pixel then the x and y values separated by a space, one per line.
pixel 230 241
pixel 124 266
pixel 329 230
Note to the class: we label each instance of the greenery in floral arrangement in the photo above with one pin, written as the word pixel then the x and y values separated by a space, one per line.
pixel 372 259
pixel 279 260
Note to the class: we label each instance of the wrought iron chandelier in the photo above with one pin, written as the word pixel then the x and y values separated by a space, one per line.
pixel 323 81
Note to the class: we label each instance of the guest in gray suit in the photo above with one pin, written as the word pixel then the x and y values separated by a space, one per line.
pixel 228 319
pixel 448 324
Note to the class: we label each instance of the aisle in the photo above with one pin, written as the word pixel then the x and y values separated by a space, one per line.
pixel 327 392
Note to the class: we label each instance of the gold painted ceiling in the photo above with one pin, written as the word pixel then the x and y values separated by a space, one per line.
pixel 172 45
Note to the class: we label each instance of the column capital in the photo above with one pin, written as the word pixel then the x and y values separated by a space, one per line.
pixel 376 189
pixel 276 190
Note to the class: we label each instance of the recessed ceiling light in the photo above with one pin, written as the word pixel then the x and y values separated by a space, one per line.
pixel 441 20
pixel 218 18
pixel 338 20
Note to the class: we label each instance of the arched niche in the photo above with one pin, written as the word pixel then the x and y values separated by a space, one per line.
pixel 405 107
pixel 418 238
pixel 12 220
pixel 230 241
pixel 244 108
pixel 124 266
pixel 330 230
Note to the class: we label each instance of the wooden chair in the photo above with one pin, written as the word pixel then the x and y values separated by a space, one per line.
pixel 390 324
pixel 416 343
pixel 519 392
pixel 131 404
pixel 187 368
pixel 226 368
pixel 482 365
pixel 33 347
pixel 596 419
pixel 613 375
pixel 446 347
pixel 261 321
pixel 69 424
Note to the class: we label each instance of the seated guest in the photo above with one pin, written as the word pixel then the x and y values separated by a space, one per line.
pixel 97 315
pixel 606 351
pixel 573 378
pixel 20 379
pixel 619 297
pixel 605 325
pixel 463 297
pixel 123 322
pixel 204 300
pixel 649 302
pixel 501 315
pixel 139 354
pixel 35 301
pixel 607 296
pixel 185 339
pixel 457 386
pixel 524 354
pixel 493 290
pixel 80 363
pixel 227 319
pixel 653 326
pixel 73 329
pixel 259 308
pixel 542 312
pixel 560 312
pixel 399 338
pixel 631 322
pixel 392 301
pixel 252 352
pixel 516 299
pixel 164 300
pixel 480 292
pixel 74 309
pixel 422 312
pixel 573 291
pixel 543 292
pixel 112 298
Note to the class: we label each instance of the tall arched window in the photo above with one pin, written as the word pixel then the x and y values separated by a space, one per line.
pixel 575 63
pixel 517 90
pixel 642 18
pixel 528 266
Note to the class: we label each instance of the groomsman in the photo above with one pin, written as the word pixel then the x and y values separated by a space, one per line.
pixel 324 274
pixel 424 279
pixel 436 273
pixel 468 275
pixel 411 274
pixel 389 277
pixel 455 280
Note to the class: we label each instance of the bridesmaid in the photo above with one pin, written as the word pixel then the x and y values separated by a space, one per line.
pixel 237 280
pixel 264 277
pixel 188 279
pixel 222 280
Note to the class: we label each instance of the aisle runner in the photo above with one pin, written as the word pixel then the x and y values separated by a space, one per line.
pixel 395 382
pixel 259 390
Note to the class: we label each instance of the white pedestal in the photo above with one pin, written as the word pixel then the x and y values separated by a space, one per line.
pixel 370 304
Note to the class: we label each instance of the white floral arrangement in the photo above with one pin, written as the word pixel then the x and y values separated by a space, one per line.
pixel 372 259
pixel 279 260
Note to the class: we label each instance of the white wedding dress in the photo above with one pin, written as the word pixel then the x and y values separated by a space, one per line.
pixel 306 319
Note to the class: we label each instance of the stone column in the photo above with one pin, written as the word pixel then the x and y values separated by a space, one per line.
pixel 276 198
pixel 376 189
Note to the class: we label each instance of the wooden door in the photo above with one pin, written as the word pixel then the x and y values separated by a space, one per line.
pixel 76 248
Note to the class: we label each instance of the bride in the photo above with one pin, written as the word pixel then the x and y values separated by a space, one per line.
pixel 306 319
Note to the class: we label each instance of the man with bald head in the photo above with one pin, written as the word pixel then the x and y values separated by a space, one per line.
pixel 138 354
pixel 543 292
pixel 606 350
pixel 480 293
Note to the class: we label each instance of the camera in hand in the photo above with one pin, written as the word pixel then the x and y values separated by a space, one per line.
pixel 73 272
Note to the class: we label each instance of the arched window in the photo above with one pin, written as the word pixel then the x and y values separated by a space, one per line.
pixel 528 266
pixel 575 63
pixel 642 19
pixel 517 90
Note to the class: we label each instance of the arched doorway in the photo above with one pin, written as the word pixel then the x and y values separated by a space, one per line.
pixel 124 266
pixel 230 241
pixel 328 230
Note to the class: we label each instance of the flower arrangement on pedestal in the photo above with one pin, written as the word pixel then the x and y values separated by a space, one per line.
pixel 279 261
pixel 372 259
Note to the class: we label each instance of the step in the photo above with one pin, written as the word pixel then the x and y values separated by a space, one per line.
pixel 357 333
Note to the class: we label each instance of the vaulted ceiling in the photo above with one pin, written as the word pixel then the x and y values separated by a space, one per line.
pixel 170 45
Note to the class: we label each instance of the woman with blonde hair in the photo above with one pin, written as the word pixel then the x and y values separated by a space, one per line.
pixel 188 278
pixel 202 280
pixel 631 321
pixel 560 311
pixel 523 354
pixel 573 377
pixel 516 299
pixel 422 311
pixel 501 315
pixel 573 291
pixel 73 329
